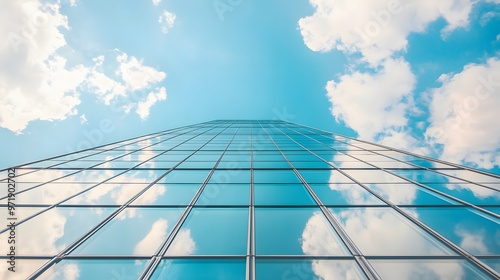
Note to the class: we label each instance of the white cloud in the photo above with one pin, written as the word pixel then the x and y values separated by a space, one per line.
pixel 135 75
pixel 106 88
pixel 127 89
pixel 71 271
pixel 369 230
pixel 35 83
pixel 464 115
pixel 183 244
pixel 143 107
pixel 472 242
pixel 166 21
pixel 318 238
pixel 373 103
pixel 376 29
pixel 156 2
pixel 153 239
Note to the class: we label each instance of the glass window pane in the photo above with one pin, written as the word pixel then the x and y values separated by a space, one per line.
pixel 374 176
pixel 307 269
pixel 324 176
pixel 426 269
pixel 344 194
pixel 225 194
pixel 185 176
pixel 212 231
pixel 95 269
pixel 295 231
pixel 271 164
pixel 282 194
pixel 472 176
pixel 52 231
pixel 21 212
pixel 425 176
pixel 145 230
pixel 168 194
pixel 470 229
pixel 195 269
pixel 311 164
pixel 409 194
pixel 471 193
pixel 382 231
pixel 107 194
pixel 23 268
pixel 50 193
pixel 275 176
pixel 230 176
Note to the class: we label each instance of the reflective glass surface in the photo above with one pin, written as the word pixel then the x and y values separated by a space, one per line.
pixel 225 194
pixel 427 269
pixel 168 194
pixel 282 194
pixel 210 269
pixel 472 230
pixel 383 231
pixel 409 194
pixel 212 231
pixel 55 229
pixel 344 194
pixel 295 231
pixel 308 269
pixel 24 268
pixel 234 199
pixel 145 229
pixel 95 269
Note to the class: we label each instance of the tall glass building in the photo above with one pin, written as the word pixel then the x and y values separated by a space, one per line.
pixel 248 200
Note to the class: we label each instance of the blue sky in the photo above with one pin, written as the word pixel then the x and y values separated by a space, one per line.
pixel 417 75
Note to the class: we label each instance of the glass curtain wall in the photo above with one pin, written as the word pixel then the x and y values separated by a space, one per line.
pixel 234 199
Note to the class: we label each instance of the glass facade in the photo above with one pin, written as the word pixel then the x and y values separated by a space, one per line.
pixel 248 200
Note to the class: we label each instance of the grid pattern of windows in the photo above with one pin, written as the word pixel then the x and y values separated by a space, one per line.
pixel 251 200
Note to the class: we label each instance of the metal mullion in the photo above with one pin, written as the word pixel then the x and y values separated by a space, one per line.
pixel 351 246
pixel 465 203
pixel 102 162
pixel 250 258
pixel 480 265
pixel 79 193
pixel 156 258
pixel 96 228
pixel 406 152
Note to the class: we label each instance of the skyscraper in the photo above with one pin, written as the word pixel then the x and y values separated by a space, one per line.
pixel 248 200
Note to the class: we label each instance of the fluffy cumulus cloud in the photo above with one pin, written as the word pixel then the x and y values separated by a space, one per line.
pixel 464 115
pixel 156 2
pixel 378 102
pixel 35 82
pixel 131 85
pixel 153 238
pixel 371 103
pixel 153 97
pixel 166 21
pixel 376 29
